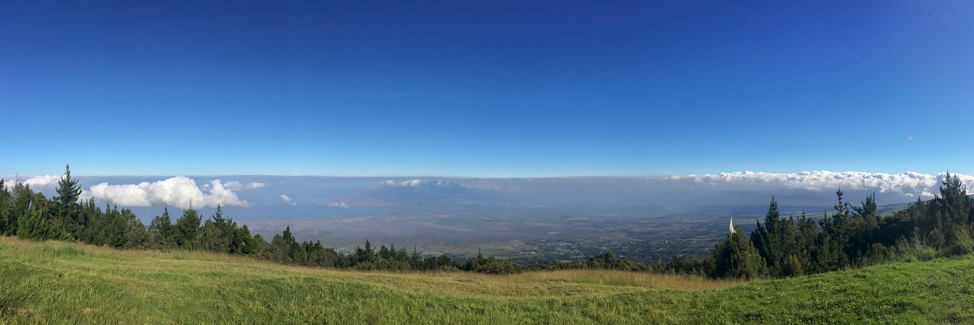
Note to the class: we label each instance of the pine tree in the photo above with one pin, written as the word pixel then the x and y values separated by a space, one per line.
pixel 136 235
pixel 953 208
pixel 792 267
pixel 764 236
pixel 161 232
pixel 807 234
pixel 68 190
pixel 187 228
pixel 33 224
pixel 21 196
pixel 369 251
pixel 6 207
pixel 67 204
pixel 736 257
pixel 243 243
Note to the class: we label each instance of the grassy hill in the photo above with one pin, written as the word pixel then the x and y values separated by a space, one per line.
pixel 55 282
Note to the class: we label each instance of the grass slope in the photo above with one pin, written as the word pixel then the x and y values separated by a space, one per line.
pixel 56 282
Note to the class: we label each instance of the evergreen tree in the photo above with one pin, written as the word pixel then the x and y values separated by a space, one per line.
pixel 807 234
pixel 791 267
pixel 776 239
pixel 6 208
pixel 67 204
pixel 736 257
pixel 280 248
pixel 162 233
pixel 33 224
pixel 954 211
pixel 369 251
pixel 68 190
pixel 764 239
pixel 22 196
pixel 136 235
pixel 187 228
pixel 89 214
pixel 112 225
pixel 863 229
pixel 228 229
pixel 243 243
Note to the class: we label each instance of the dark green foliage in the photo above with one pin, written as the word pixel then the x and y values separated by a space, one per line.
pixel 33 224
pixel 242 242
pixel 791 267
pixel 68 221
pixel 6 208
pixel 776 239
pixel 187 229
pixel 21 197
pixel 67 188
pixel 736 257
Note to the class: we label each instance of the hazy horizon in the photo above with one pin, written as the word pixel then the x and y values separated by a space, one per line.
pixel 254 197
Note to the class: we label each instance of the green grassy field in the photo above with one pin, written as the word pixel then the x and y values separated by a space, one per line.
pixel 55 282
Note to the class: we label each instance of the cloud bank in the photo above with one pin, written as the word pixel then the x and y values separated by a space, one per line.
pixel 908 183
pixel 179 191
pixel 35 182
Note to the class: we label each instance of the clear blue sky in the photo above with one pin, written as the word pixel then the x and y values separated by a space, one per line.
pixel 485 88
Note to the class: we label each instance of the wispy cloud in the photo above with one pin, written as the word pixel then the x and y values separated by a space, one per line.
pixel 179 191
pixel 415 182
pixel 287 199
pixel 237 186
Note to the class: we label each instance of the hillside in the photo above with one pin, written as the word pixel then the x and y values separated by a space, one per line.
pixel 56 282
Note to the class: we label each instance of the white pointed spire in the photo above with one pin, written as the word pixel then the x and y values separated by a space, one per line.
pixel 732 225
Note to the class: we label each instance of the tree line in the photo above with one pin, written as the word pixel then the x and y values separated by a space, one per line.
pixel 850 236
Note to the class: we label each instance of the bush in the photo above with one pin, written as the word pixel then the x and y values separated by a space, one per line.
pixel 963 245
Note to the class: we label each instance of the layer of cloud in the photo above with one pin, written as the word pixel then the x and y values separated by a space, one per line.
pixel 179 191
pixel 287 199
pixel 415 182
pixel 339 204
pixel 35 181
pixel 237 186
pixel 908 183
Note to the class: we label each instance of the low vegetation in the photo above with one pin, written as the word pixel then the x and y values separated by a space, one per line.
pixel 59 282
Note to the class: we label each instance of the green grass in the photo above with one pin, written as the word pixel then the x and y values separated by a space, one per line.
pixel 55 282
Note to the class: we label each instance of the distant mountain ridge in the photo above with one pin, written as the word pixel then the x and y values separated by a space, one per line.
pixel 418 193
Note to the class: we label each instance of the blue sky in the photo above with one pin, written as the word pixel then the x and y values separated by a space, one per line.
pixel 485 89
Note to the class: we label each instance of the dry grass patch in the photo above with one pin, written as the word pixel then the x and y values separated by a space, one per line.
pixel 142 269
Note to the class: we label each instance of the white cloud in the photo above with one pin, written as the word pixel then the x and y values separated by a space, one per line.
pixel 910 138
pixel 179 191
pixel 415 182
pixel 287 200
pixel 340 204
pixel 237 186
pixel 36 181
pixel 908 183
